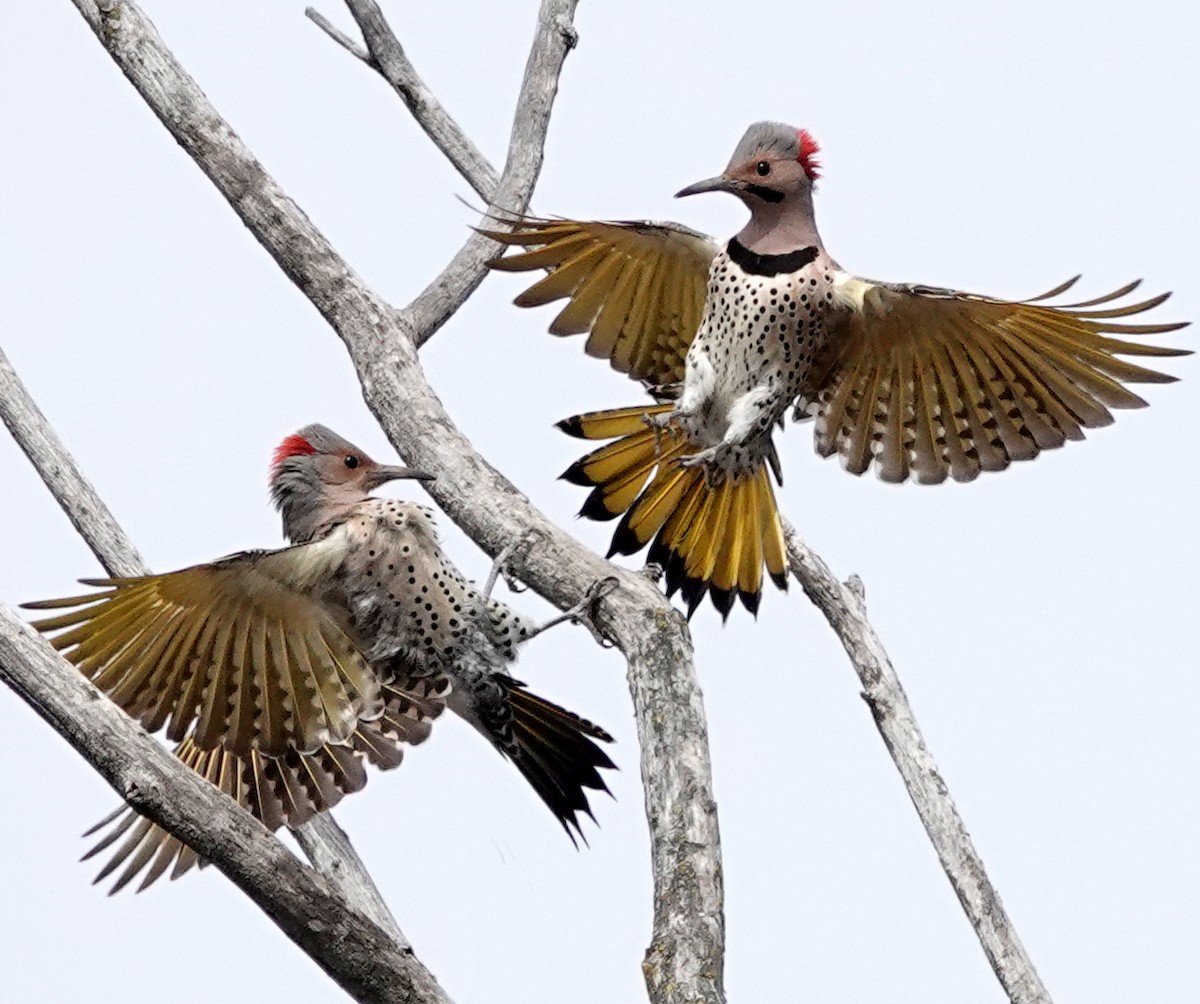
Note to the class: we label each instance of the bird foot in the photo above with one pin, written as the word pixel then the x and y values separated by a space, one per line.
pixel 653 571
pixel 500 566
pixel 700 459
pixel 711 460
pixel 661 421
pixel 583 612
pixel 659 424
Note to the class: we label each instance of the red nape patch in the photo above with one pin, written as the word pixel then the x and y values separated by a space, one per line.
pixel 809 148
pixel 293 446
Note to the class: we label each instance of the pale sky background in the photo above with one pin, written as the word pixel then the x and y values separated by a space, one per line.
pixel 1043 621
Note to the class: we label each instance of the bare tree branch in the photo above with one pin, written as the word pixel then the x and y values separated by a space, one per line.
pixel 511 191
pixel 384 53
pixel 361 957
pixel 882 687
pixel 844 606
pixel 556 37
pixel 331 853
pixel 356 49
pixel 57 468
pixel 686 957
pixel 87 512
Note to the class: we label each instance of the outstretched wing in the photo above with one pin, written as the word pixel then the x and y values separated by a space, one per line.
pixel 276 790
pixel 239 648
pixel 927 382
pixel 287 789
pixel 636 288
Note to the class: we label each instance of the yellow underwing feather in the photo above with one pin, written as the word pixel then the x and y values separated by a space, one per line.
pixel 637 287
pixel 981 423
pixel 928 460
pixel 564 279
pixel 1043 387
pixel 993 381
pixel 181 676
pixel 578 316
pixel 242 712
pixel 273 691
pixel 128 676
pixel 894 453
pixel 216 686
pixel 1021 409
pixel 613 313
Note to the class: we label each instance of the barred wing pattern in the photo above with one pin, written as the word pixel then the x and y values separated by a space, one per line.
pixel 236 647
pixel 636 288
pixel 290 789
pixel 927 382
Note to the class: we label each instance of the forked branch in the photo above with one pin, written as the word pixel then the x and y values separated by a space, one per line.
pixel 686 957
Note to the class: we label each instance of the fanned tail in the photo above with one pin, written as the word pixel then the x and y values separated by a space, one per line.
pixel 709 538
pixel 556 751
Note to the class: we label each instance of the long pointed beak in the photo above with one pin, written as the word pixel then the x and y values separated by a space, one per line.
pixel 384 473
pixel 717 184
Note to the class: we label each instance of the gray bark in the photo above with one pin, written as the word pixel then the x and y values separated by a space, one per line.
pixel 353 950
pixel 331 853
pixel 322 839
pixel 844 606
pixel 384 53
pixel 686 957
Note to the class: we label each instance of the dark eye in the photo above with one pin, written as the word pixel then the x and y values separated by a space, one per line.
pixel 351 461
pixel 763 168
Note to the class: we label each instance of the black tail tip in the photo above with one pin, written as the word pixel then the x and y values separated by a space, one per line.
pixel 723 600
pixel 692 590
pixel 595 508
pixel 674 572
pixel 625 540
pixel 750 600
pixel 577 474
pixel 573 426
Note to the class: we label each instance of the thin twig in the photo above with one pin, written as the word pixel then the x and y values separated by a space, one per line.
pixel 356 49
pixel 507 194
pixel 115 551
pixel 438 302
pixel 385 54
pixel 844 606
pixel 685 961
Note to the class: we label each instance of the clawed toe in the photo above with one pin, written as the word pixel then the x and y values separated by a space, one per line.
pixel 584 611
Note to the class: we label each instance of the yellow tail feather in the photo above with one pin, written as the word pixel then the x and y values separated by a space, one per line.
pixel 709 538
pixel 611 424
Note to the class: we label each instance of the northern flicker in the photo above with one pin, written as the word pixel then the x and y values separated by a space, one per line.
pixel 921 381
pixel 280 673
